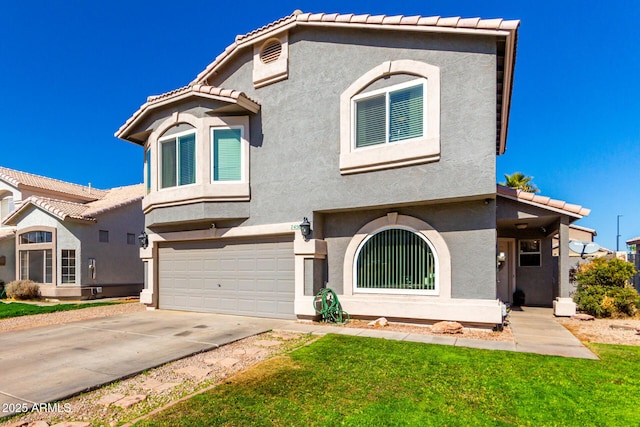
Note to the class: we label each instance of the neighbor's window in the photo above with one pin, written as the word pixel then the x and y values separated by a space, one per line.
pixel 68 266
pixel 396 260
pixel 33 237
pixel 103 236
pixel 392 114
pixel 36 265
pixel 530 253
pixel 227 154
pixel 178 161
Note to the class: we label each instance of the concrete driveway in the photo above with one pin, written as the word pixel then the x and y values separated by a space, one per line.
pixel 50 363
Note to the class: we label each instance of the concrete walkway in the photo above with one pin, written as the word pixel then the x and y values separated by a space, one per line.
pixel 536 331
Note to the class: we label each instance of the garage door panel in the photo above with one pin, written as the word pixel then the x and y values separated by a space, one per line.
pixel 233 277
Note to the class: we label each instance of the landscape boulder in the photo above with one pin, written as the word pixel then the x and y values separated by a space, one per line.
pixel 379 323
pixel 447 328
pixel 583 316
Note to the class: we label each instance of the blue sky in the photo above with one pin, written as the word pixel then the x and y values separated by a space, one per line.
pixel 73 71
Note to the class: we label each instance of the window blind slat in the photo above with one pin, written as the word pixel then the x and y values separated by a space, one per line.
pixel 406 113
pixel 168 152
pixel 187 159
pixel 370 121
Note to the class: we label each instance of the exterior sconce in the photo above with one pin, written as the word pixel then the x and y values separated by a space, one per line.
pixel 521 225
pixel 143 238
pixel 305 228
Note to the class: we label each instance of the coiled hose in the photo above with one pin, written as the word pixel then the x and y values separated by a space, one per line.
pixel 327 305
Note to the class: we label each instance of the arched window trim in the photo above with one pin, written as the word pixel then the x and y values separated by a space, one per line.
pixel 434 291
pixel 394 219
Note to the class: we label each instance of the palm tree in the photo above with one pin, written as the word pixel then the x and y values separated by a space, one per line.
pixel 520 181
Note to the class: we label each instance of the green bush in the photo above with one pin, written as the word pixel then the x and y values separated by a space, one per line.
pixel 605 272
pixel 23 290
pixel 603 289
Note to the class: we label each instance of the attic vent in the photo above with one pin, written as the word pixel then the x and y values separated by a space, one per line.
pixel 271 51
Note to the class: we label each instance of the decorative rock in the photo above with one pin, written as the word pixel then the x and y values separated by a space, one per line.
pixel 129 401
pixel 379 323
pixel 447 328
pixel 623 327
pixel 165 386
pixel 40 423
pixel 151 383
pixel 228 362
pixel 193 371
pixel 267 343
pixel 582 316
pixel 110 398
pixel 72 424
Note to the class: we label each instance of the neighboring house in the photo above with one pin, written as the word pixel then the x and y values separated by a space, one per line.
pixel 76 241
pixel 634 257
pixel 383 131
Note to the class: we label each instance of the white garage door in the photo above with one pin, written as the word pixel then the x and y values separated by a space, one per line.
pixel 243 277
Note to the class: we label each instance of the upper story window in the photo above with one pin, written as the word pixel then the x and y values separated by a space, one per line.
pixel 178 159
pixel 147 171
pixel 227 162
pixel 6 206
pixel 390 117
pixel 392 114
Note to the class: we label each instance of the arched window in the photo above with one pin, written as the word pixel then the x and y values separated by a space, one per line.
pixel 396 260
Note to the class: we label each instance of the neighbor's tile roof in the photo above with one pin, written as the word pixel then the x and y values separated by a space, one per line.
pixel 633 241
pixel 6 233
pixel 113 199
pixel 20 179
pixel 543 201
pixel 432 23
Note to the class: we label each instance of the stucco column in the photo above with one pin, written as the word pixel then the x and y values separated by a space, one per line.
pixel 564 287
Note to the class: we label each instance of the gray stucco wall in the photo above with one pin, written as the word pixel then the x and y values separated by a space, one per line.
pixel 467 228
pixel 116 261
pixel 8 270
pixel 295 144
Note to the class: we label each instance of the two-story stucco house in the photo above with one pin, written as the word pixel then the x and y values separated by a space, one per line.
pixel 382 130
pixel 76 241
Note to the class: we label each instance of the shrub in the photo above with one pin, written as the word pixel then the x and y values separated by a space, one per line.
pixel 23 290
pixel 605 272
pixel 603 290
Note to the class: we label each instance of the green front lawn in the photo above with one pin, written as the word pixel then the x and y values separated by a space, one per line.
pixel 16 309
pixel 343 380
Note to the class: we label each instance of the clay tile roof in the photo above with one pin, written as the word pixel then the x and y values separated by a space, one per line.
pixel 115 198
pixel 543 201
pixel 634 241
pixel 6 233
pixel 62 209
pixel 23 179
pixel 227 95
pixel 390 22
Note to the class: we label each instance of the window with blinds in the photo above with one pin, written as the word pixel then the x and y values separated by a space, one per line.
pixel 227 154
pixel 395 260
pixel 388 115
pixel 178 160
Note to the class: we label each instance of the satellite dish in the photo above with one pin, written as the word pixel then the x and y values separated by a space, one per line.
pixel 583 248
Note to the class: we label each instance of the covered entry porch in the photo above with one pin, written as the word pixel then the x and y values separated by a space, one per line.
pixel 529 273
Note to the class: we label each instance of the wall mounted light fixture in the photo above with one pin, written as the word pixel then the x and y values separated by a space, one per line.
pixel 305 228
pixel 143 239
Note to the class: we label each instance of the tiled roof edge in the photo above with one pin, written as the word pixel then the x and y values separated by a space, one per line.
pixel 571 209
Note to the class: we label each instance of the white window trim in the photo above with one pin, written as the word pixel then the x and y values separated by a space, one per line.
pixel 175 136
pixel 434 291
pixel 400 153
pixel 386 91
pixel 243 155
pixel 539 253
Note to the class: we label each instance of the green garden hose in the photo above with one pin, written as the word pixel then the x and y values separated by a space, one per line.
pixel 330 308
